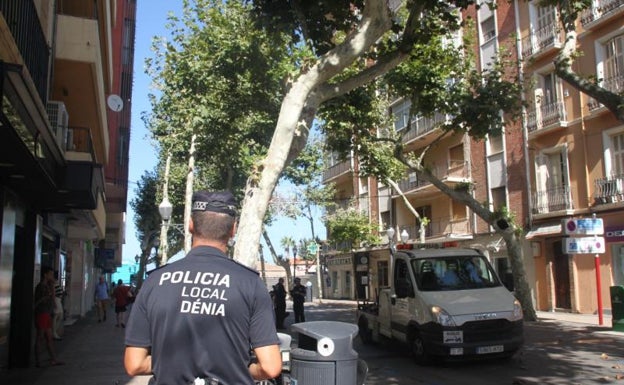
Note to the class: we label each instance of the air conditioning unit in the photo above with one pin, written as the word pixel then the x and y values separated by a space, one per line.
pixel 59 119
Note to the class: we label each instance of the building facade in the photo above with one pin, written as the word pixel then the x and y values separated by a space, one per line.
pixel 57 69
pixel 563 160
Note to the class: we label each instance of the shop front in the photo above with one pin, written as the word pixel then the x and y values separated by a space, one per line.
pixel 340 284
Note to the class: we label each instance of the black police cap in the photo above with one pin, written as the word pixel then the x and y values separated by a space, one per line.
pixel 215 201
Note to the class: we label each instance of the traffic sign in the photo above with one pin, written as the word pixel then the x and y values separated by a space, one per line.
pixel 584 245
pixel 582 226
pixel 312 248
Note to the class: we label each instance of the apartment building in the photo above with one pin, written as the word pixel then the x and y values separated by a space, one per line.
pixel 563 161
pixel 574 155
pixel 59 65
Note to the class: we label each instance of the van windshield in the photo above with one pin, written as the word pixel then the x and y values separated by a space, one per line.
pixel 453 273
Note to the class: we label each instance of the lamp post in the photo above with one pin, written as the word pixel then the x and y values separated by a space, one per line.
pixel 165 209
pixel 294 249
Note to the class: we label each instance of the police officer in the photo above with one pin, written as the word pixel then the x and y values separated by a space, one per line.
pixel 196 319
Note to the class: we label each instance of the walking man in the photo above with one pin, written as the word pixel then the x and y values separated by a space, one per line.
pixel 198 319
pixel 298 294
pixel 121 296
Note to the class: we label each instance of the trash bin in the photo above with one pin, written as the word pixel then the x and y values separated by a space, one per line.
pixel 324 354
pixel 617 308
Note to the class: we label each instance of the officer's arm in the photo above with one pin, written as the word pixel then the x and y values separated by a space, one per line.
pixel 269 363
pixel 137 361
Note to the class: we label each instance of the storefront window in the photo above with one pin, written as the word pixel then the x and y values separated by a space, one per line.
pixel 617 256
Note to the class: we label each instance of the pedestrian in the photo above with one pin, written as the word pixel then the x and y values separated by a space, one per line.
pixel 298 294
pixel 44 309
pixel 57 320
pixel 121 296
pixel 199 319
pixel 101 299
pixel 279 302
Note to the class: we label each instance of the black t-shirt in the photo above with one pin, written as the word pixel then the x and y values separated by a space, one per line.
pixel 201 316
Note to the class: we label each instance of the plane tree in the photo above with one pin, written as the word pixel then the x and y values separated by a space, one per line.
pixel 346 46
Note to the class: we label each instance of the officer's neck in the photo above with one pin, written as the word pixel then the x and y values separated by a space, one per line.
pixel 209 242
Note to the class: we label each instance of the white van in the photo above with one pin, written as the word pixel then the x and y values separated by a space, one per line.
pixel 444 303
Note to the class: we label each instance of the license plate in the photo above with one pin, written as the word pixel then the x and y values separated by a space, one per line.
pixel 453 337
pixel 490 349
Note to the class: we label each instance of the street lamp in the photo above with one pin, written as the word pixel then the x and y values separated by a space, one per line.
pixel 390 233
pixel 165 208
pixel 404 236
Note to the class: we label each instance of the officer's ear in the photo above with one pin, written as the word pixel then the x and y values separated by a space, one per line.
pixel 191 226
pixel 234 228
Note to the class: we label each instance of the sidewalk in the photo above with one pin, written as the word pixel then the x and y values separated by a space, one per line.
pixel 93 352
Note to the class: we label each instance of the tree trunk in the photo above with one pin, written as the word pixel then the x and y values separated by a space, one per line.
pixel 279 261
pixel 188 196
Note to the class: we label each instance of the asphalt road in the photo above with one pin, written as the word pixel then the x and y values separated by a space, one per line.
pixel 555 352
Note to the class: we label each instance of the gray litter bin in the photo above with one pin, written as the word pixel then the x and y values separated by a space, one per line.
pixel 324 354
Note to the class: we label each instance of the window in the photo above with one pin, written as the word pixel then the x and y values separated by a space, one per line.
pixel 456 156
pixel 400 112
pixel 122 150
pixel 488 29
pixel 614 64
pixel 617 154
pixel 546 17
pixel 459 210
pixel 363 185
pixel 552 181
pixel 499 197
pixel 495 144
pixel 548 85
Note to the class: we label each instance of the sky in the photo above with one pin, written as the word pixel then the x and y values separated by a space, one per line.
pixel 150 21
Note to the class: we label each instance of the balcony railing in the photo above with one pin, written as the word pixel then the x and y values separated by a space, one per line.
pixel 438 227
pixel 422 125
pixel 456 170
pixel 553 199
pixel 23 22
pixel 545 115
pixel 337 169
pixel 79 140
pixel 540 40
pixel 609 190
pixel 600 9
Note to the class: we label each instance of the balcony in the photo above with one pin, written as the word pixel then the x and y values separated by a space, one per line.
pixel 81 80
pixel 552 200
pixel 455 172
pixel 21 20
pixel 600 12
pixel 541 41
pixel 441 229
pixel 546 117
pixel 421 126
pixel 614 84
pixel 609 190
pixel 337 170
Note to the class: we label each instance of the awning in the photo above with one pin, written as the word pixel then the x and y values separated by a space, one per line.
pixel 544 229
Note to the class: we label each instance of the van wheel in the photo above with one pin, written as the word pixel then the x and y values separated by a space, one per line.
pixel 364 332
pixel 417 346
